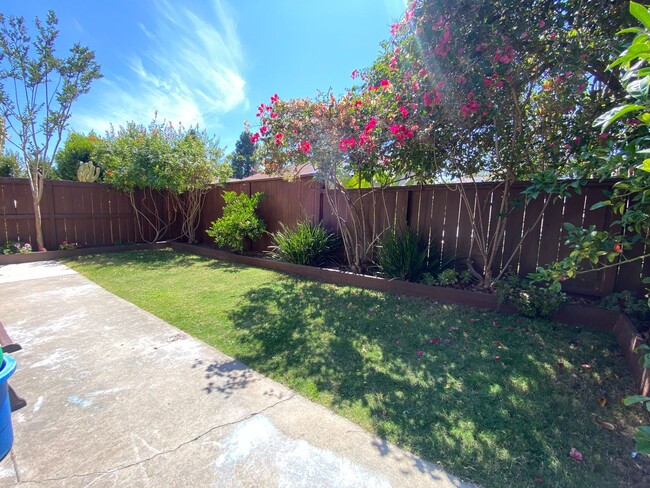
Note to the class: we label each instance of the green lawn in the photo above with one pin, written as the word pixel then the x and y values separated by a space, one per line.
pixel 494 398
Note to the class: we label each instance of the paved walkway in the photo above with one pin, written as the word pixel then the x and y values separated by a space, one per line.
pixel 118 397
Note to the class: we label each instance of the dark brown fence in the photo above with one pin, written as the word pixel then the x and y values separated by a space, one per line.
pixel 94 214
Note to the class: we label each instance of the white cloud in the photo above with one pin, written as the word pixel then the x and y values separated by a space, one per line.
pixel 189 69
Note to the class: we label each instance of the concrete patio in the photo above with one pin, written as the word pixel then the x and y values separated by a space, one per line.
pixel 117 397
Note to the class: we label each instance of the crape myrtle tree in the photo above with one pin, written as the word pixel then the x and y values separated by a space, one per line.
pixel 37 91
pixel 181 163
pixel 346 142
pixel 503 88
pixel 500 88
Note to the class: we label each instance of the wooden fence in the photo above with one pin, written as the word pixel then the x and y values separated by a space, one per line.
pixel 94 214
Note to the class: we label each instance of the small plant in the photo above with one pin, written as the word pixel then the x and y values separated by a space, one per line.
pixel 447 277
pixel 466 277
pixel 15 247
pixel 239 221
pixel 308 244
pixel 530 299
pixel 66 246
pixel 628 303
pixel 642 436
pixel 403 255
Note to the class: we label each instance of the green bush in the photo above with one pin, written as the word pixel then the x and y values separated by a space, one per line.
pixel 13 247
pixel 447 277
pixel 308 243
pixel 403 255
pixel 239 221
pixel 530 299
pixel 633 306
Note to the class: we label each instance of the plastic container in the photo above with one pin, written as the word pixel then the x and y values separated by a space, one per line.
pixel 6 430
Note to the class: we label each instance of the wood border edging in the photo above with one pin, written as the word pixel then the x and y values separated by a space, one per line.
pixel 594 318
pixel 32 257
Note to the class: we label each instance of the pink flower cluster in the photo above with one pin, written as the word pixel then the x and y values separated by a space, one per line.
pixel 402 132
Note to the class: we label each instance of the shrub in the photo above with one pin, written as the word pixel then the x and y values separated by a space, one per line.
pixel 447 277
pixel 13 247
pixel 403 255
pixel 530 299
pixel 308 243
pixel 626 302
pixel 239 221
pixel 67 246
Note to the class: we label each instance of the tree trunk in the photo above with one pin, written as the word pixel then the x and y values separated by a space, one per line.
pixel 36 184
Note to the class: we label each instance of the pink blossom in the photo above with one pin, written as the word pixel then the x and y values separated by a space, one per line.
pixel 355 74
pixel 488 82
pixel 384 83
pixel 278 138
pixel 415 86
pixel 575 454
pixel 254 138
pixel 423 73
pixel 263 130
pixel 541 24
pixel 393 63
pixel 372 123
pixel 274 115
pixel 419 353
pixel 275 98
pixel 403 111
pixel 394 29
pixel 304 146
pixel 460 79
pixel 499 84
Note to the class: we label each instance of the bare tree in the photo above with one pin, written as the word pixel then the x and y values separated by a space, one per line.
pixel 37 91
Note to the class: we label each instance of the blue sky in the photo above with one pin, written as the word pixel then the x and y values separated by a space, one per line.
pixel 212 62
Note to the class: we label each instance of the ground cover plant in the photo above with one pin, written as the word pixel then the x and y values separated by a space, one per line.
pixel 497 399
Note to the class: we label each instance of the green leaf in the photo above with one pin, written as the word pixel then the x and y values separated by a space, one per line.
pixel 640 13
pixel 639 88
pixel 616 113
pixel 646 165
pixel 604 203
pixel 631 400
pixel 642 438
pixel 630 30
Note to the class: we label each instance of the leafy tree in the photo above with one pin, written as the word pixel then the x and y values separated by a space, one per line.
pixel 161 157
pixel 502 88
pixel 37 92
pixel 625 156
pixel 498 88
pixel 77 149
pixel 242 158
pixel 9 166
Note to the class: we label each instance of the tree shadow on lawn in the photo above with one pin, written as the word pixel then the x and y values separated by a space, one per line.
pixel 159 259
pixel 494 398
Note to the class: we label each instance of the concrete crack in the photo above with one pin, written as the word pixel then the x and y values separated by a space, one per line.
pixel 101 474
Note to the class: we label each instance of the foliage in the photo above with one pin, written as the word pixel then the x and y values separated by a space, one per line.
pixel 403 255
pixel 634 307
pixel 308 244
pixel 447 277
pixel 499 88
pixel 242 160
pixel 624 157
pixel 67 246
pixel 9 166
pixel 37 91
pixel 161 157
pixel 15 247
pixel 642 435
pixel 355 351
pixel 77 149
pixel 530 299
pixel 239 221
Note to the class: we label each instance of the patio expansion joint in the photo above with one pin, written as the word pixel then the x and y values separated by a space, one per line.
pixel 101 474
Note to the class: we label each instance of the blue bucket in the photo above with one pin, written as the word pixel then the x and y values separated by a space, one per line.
pixel 6 431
